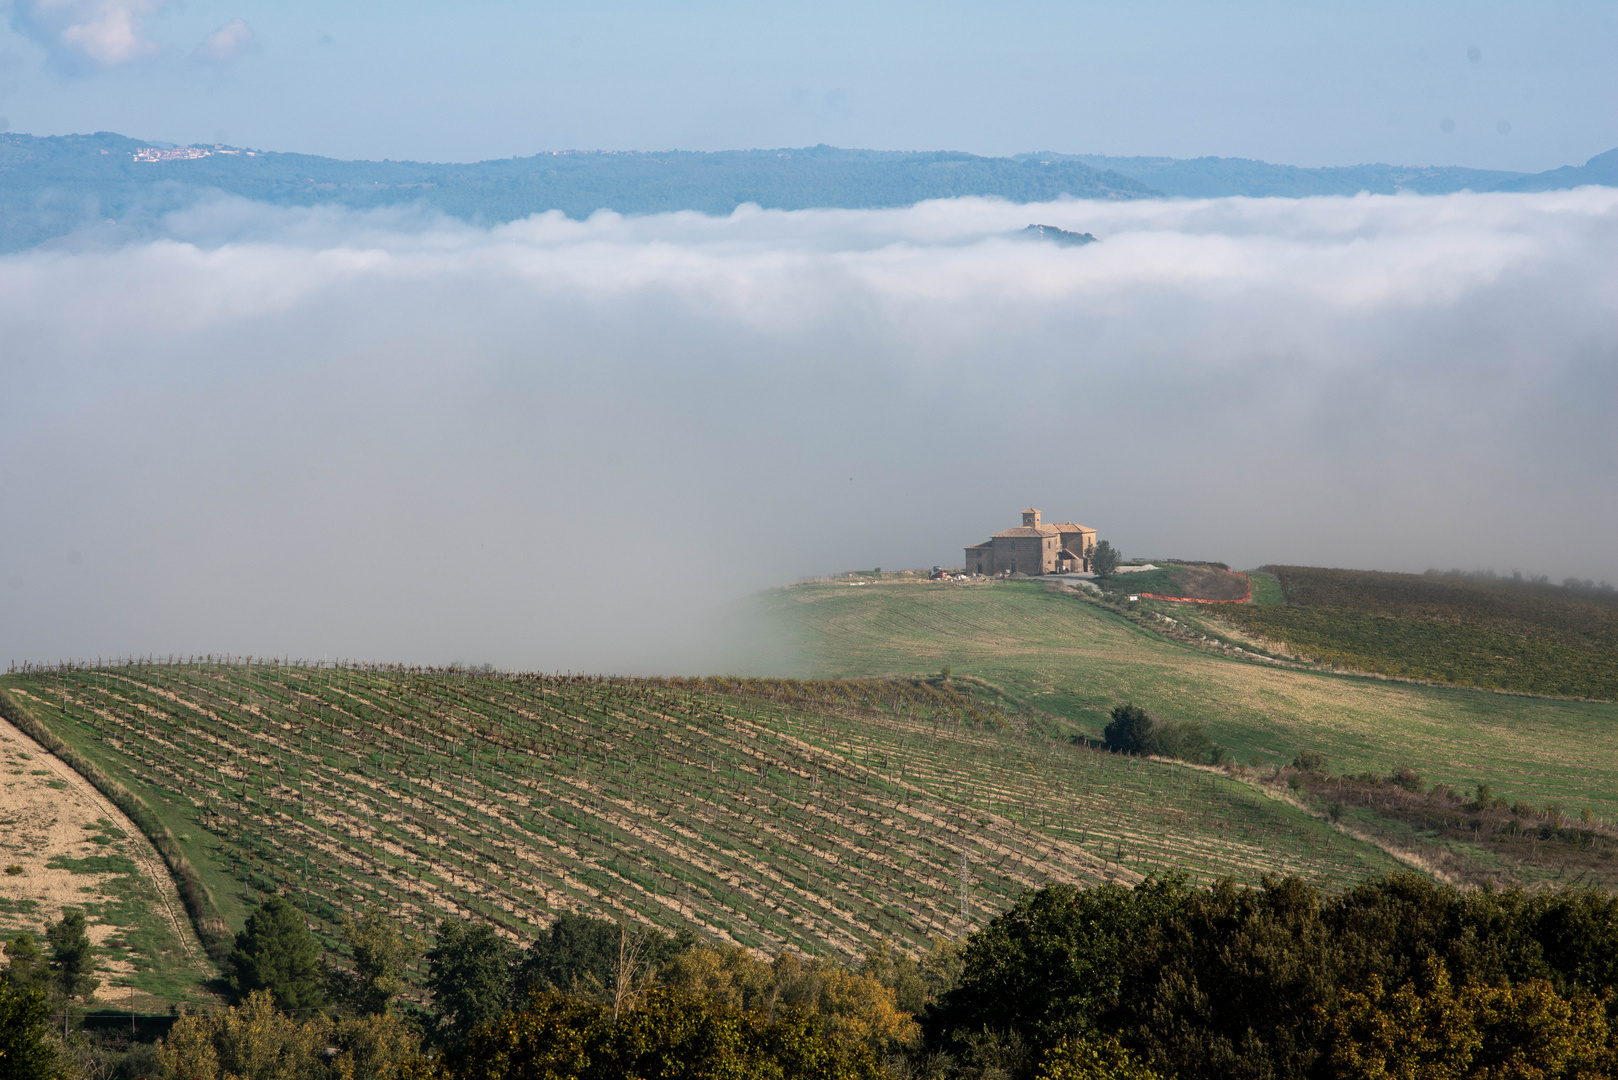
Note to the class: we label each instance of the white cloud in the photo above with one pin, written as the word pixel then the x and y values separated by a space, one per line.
pixel 227 43
pixel 555 442
pixel 103 33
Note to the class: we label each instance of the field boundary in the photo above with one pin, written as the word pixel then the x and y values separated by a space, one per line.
pixel 210 926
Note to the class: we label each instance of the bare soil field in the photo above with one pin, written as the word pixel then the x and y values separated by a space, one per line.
pixel 63 845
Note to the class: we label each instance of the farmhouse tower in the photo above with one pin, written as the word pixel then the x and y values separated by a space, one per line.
pixel 1033 548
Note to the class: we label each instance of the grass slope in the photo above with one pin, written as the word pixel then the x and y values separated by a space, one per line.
pixel 1076 659
pixel 820 816
pixel 1507 635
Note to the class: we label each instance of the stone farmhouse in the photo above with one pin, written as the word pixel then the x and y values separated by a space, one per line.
pixel 1033 549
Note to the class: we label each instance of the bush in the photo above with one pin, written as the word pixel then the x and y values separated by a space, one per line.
pixel 1406 777
pixel 1182 739
pixel 1310 761
pixel 1133 731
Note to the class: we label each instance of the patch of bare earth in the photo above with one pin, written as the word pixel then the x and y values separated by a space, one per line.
pixel 50 814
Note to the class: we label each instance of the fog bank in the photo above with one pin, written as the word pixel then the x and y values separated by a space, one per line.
pixel 561 444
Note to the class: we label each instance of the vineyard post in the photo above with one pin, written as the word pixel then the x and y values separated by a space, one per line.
pixel 964 916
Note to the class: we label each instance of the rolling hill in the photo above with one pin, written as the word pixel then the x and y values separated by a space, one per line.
pixel 1530 637
pixel 822 815
pixel 1074 656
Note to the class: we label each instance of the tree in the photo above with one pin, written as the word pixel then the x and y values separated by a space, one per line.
pixel 72 960
pixel 256 1041
pixel 1104 559
pixel 276 952
pixel 469 972
pixel 670 1035
pixel 1129 731
pixel 578 956
pixel 25 1052
pixel 26 966
pixel 1438 1032
pixel 1048 968
pixel 381 952
pixel 1095 1058
pixel 583 956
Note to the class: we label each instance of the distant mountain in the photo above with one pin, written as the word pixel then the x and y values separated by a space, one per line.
pixel 56 185
pixel 1216 177
pixel 1601 169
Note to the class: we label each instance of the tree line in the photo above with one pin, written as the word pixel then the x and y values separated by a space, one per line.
pixel 1398 977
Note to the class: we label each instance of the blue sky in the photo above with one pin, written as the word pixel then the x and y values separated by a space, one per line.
pixel 1523 86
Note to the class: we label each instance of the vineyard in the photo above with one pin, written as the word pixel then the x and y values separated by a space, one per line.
pixel 822 816
pixel 1507 635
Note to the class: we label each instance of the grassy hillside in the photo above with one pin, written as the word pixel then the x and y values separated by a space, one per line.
pixel 1193 581
pixel 1507 635
pixel 1076 658
pixel 818 815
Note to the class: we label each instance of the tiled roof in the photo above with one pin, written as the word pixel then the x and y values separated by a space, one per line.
pixel 985 544
pixel 1069 527
pixel 1028 530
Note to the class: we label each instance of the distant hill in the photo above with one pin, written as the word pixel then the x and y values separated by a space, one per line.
pixel 1601 169
pixel 1216 177
pixel 1059 237
pixel 61 184
pixel 56 185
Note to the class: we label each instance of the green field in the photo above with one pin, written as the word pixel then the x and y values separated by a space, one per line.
pixel 773 814
pixel 1073 658
pixel 1509 635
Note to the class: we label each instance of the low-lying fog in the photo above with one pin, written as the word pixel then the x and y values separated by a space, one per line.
pixel 562 445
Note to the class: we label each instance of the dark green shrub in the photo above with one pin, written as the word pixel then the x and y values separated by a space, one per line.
pixel 1310 761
